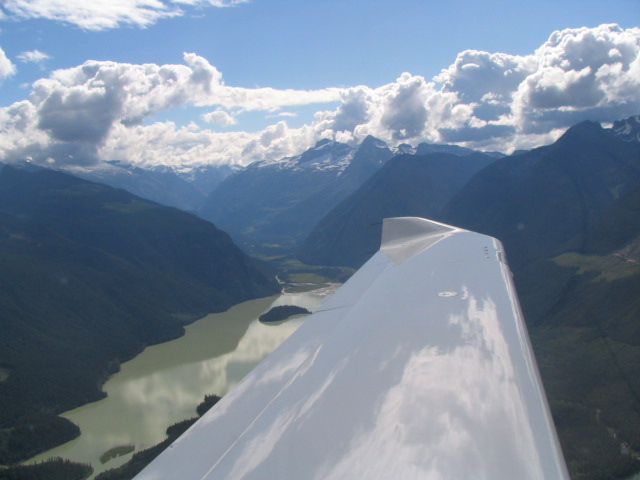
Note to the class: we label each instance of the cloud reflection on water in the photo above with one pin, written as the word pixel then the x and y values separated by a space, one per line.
pixel 164 384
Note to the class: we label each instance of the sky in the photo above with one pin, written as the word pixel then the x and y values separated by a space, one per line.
pixel 190 82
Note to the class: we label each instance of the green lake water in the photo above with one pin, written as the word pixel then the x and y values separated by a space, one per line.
pixel 165 383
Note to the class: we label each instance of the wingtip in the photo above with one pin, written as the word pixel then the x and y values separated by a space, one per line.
pixel 398 230
pixel 403 237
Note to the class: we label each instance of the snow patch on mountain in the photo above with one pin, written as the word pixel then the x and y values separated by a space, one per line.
pixel 326 156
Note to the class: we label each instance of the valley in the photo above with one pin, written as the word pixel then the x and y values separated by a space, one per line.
pixel 114 266
pixel 172 170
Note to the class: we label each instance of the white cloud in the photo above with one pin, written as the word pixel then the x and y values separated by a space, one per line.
pixel 94 14
pixel 582 73
pixel 166 143
pixel 21 139
pixel 220 117
pixel 97 15
pixel 83 103
pixel 92 104
pixel 34 56
pixel 356 109
pixel 476 74
pixel 7 68
pixel 213 3
pixel 282 114
pixel 494 101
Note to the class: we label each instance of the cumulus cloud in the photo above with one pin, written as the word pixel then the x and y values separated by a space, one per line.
pixel 166 143
pixel 476 74
pixel 84 102
pixel 581 73
pixel 404 110
pixel 220 117
pixel 494 101
pixel 500 101
pixel 6 67
pixel 88 103
pixel 354 110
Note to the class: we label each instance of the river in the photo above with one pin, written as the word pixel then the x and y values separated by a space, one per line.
pixel 165 383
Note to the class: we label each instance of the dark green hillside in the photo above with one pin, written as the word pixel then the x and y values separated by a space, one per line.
pixel 54 469
pixel 90 275
pixel 619 224
pixel 587 342
pixel 160 185
pixel 408 185
pixel 549 200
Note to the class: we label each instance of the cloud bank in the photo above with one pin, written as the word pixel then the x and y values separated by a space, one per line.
pixel 493 101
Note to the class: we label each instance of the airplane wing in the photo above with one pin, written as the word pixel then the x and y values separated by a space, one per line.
pixel 418 367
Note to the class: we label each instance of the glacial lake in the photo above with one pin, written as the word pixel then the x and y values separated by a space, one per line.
pixel 166 382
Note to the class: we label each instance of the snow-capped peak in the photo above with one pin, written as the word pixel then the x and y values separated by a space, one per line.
pixel 325 155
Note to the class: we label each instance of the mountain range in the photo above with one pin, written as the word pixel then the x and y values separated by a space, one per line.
pixel 184 188
pixel 567 214
pixel 280 201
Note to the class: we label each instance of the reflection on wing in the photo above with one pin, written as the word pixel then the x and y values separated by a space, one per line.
pixel 418 367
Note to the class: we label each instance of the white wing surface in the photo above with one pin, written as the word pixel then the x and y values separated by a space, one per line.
pixel 419 367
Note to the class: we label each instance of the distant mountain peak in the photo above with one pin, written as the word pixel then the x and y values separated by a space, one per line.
pixel 628 129
pixel 326 155
pixel 426 148
pixel 323 147
pixel 322 143
pixel 584 130
pixel 405 148
pixel 372 141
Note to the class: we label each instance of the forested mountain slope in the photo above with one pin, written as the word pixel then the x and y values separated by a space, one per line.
pixel 90 275
pixel 548 200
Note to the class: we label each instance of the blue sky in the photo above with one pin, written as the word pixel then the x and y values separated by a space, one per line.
pixel 282 61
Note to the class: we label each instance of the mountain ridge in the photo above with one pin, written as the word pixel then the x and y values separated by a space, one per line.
pixel 279 201
pixel 585 169
pixel 407 185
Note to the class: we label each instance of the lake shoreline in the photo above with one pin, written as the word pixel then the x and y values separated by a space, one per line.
pixel 231 335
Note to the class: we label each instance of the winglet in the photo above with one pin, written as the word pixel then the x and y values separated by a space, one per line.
pixel 404 237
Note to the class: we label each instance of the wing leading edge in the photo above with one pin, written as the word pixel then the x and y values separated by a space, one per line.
pixel 418 367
